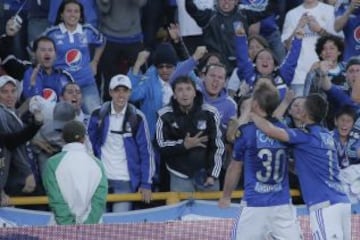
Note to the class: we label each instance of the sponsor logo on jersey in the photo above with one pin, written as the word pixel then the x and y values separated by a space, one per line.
pixel 73 59
pixel 49 95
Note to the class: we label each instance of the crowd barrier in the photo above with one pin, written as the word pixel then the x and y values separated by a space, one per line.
pixel 187 220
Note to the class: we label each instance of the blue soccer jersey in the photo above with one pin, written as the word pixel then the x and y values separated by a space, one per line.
pixel 72 50
pixel 265 167
pixel 351 31
pixel 317 165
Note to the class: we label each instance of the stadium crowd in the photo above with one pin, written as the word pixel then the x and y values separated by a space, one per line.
pixel 126 96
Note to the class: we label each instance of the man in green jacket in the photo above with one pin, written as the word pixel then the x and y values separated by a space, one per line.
pixel 75 181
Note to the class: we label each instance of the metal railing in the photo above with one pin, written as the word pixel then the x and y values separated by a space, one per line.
pixel 169 197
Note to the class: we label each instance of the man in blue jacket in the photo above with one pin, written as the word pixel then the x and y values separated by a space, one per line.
pixel 120 137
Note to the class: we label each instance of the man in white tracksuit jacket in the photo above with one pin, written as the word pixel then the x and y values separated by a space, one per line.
pixel 75 181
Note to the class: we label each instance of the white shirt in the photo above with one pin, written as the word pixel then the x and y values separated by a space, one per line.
pixel 113 152
pixel 325 16
pixel 167 92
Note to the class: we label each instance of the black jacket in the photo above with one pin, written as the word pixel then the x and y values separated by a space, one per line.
pixel 218 30
pixel 172 127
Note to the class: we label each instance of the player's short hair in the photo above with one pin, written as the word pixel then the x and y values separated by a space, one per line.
pixel 316 107
pixel 267 97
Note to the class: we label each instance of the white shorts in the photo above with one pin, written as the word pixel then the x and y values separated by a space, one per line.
pixel 332 222
pixel 275 222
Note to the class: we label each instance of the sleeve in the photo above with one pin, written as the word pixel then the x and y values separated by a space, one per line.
pixel 95 36
pixel 183 68
pixel 287 68
pixel 338 97
pixel 29 91
pixel 92 131
pixel 98 201
pixel 168 146
pixel 56 201
pixel 201 17
pixel 216 146
pixel 245 66
pixel 13 140
pixel 296 136
pixel 146 153
pixel 140 85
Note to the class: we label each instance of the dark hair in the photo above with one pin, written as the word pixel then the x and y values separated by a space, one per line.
pixel 204 60
pixel 276 60
pixel 209 66
pixel 42 39
pixel 339 43
pixel 63 89
pixel 259 39
pixel 62 8
pixel 316 107
pixel 346 110
pixel 183 79
pixel 267 97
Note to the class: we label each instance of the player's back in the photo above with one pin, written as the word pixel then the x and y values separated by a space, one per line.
pixel 317 165
pixel 265 167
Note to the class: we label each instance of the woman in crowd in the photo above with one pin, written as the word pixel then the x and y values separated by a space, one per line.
pixel 73 38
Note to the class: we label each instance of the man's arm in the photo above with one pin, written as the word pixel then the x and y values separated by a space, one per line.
pixel 232 177
pixel 270 129
pixel 341 21
pixel 202 17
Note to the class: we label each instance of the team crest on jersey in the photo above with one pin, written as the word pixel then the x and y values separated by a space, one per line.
pixel 73 59
pixel 201 125
pixel 174 125
pixel 357 34
pixel 83 39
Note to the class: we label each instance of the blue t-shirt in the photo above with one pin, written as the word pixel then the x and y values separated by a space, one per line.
pixel 72 50
pixel 351 31
pixel 265 167
pixel 316 165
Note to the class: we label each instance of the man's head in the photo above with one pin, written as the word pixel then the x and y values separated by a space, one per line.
pixel 184 92
pixel 74 131
pixel 265 98
pixel 71 93
pixel 352 70
pixel 315 108
pixel 344 120
pixel 227 6
pixel 63 113
pixel 265 61
pixel 45 52
pixel 165 60
pixel 8 91
pixel 214 79
pixel 120 91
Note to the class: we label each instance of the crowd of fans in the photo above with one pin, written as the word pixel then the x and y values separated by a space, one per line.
pixel 160 89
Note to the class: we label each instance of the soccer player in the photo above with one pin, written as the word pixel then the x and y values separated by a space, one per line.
pixel 267 211
pixel 317 167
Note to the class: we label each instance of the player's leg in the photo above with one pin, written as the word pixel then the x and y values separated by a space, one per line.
pixel 331 222
pixel 284 224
